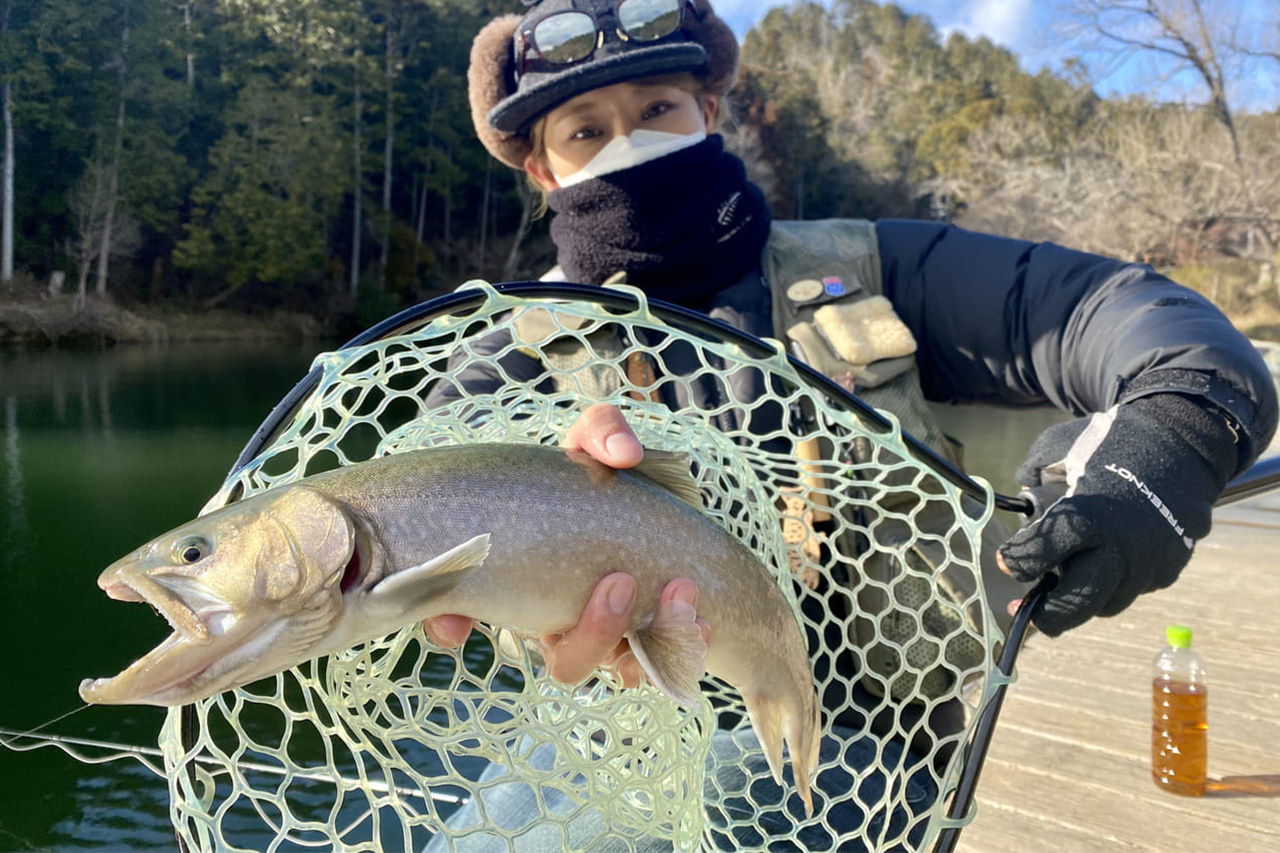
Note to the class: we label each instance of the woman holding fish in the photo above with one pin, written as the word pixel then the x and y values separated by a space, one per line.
pixel 610 108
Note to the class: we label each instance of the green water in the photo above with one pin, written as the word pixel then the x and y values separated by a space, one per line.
pixel 100 452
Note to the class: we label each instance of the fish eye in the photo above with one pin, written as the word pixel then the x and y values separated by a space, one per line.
pixel 191 550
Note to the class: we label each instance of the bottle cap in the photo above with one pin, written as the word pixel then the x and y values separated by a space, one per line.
pixel 1179 636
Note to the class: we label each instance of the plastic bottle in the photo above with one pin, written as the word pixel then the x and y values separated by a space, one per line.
pixel 1179 717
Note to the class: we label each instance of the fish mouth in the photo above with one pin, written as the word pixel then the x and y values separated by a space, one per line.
pixel 169 597
pixel 203 623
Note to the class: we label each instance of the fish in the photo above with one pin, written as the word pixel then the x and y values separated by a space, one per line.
pixel 512 535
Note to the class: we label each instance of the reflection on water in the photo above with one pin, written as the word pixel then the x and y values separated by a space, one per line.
pixel 103 451
pixel 119 807
pixel 14 533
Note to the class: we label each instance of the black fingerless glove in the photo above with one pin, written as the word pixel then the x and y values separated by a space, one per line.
pixel 1141 481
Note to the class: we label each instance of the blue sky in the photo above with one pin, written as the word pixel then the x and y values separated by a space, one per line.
pixel 1016 24
pixel 1026 28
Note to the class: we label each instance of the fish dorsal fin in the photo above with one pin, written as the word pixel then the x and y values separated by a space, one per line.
pixel 670 470
pixel 408 584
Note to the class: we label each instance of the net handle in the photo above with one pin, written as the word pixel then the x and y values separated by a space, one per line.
pixel 976 750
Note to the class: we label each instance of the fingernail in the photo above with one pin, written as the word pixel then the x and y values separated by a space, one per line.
pixel 622 447
pixel 686 594
pixel 621 595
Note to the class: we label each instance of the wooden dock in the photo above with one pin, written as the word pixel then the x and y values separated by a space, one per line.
pixel 1069 767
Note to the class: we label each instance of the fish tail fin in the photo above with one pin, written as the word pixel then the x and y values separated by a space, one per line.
pixel 791 717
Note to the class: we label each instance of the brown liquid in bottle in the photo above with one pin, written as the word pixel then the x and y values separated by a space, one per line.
pixel 1179 736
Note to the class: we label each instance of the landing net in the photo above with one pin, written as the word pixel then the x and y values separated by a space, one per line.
pixel 399 743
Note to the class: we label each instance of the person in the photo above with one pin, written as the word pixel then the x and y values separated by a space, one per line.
pixel 610 109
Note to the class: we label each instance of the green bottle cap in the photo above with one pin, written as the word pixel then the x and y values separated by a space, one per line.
pixel 1179 636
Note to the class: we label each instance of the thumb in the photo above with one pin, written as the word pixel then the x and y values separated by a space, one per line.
pixel 1049 451
pixel 1047 543
pixel 602 432
pixel 1092 584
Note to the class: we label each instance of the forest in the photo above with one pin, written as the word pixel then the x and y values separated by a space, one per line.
pixel 317 156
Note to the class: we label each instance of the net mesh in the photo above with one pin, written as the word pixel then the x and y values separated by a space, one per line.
pixel 398 743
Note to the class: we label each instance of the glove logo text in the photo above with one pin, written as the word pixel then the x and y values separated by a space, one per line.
pixel 1161 506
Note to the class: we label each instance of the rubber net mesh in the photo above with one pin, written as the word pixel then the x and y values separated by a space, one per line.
pixel 398 743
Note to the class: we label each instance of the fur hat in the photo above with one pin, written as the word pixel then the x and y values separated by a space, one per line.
pixel 503 111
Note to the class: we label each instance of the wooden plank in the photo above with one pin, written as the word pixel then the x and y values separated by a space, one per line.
pixel 1109 671
pixel 1233 749
pixel 1069 769
pixel 1111 795
pixel 1034 807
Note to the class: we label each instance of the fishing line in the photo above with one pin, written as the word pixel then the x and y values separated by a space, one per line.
pixel 45 724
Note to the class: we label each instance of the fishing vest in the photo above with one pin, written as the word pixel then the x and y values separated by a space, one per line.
pixel 828 304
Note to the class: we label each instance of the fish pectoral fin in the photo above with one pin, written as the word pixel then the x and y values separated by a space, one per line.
pixel 673 653
pixel 410 585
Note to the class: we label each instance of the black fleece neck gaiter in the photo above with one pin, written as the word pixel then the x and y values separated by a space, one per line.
pixel 682 227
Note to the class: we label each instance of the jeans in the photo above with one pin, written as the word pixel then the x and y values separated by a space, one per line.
pixel 859 778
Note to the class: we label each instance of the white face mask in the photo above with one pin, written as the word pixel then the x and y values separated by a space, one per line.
pixel 623 152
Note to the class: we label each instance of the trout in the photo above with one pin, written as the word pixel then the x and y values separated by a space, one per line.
pixel 513 535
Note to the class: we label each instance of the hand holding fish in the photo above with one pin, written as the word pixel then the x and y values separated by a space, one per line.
pixel 597 641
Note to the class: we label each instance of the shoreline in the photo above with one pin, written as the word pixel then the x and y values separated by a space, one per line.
pixel 42 323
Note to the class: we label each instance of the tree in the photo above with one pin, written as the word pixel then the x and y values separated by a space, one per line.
pixel 1188 35
pixel 6 215
pixel 1191 41
pixel 24 86
pixel 112 192
pixel 400 22
pixel 357 176
pixel 101 226
pixel 265 210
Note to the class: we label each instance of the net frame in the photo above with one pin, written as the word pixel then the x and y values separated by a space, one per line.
pixel 194 789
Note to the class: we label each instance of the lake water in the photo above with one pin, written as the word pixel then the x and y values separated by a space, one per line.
pixel 100 452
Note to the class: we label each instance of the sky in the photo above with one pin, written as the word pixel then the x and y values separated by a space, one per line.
pixel 1026 28
pixel 1012 23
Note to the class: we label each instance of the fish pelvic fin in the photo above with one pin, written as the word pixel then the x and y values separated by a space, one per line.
pixel 670 470
pixel 673 653
pixel 779 716
pixel 411 586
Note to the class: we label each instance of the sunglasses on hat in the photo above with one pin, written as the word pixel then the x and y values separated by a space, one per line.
pixel 565 37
